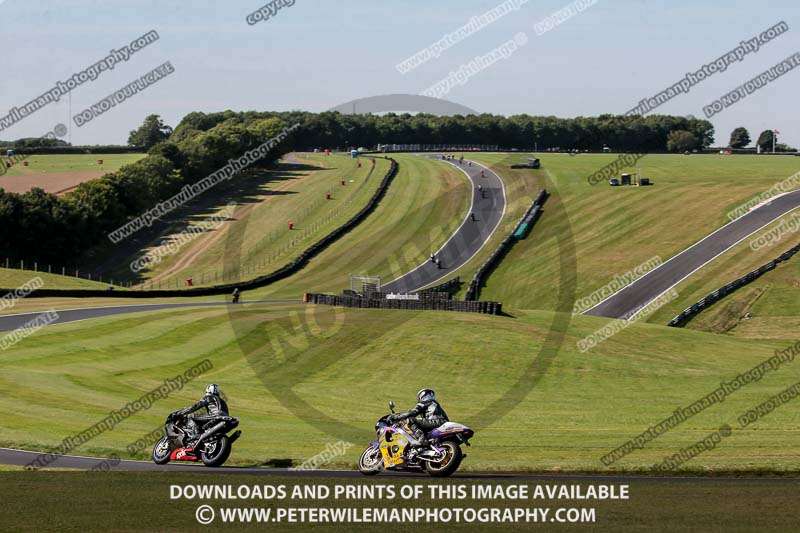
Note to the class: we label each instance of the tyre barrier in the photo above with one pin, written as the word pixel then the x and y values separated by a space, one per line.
pixel 428 295
pixel 690 312
pixel 287 270
pixel 531 215
pixel 433 304
pixel 446 287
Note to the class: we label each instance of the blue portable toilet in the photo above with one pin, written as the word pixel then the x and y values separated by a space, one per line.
pixel 353 153
pixel 10 153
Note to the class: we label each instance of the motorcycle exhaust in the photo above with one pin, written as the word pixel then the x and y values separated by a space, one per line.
pixel 235 435
pixel 208 433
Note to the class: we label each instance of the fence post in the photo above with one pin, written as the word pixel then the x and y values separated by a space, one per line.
pixel 36 266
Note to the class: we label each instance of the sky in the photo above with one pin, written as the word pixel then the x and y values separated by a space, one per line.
pixel 316 54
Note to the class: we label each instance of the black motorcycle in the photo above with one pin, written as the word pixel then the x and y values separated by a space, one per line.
pixel 212 447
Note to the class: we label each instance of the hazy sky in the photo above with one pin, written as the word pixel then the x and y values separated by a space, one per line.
pixel 317 54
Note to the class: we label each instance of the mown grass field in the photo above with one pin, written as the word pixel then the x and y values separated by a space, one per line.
pixel 302 377
pixel 425 204
pixel 255 238
pixel 611 230
pixel 45 164
pixel 11 278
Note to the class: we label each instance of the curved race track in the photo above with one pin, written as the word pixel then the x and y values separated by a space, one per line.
pixel 488 205
pixel 629 300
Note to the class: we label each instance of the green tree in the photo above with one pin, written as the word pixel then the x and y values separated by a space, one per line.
pixel 150 133
pixel 765 140
pixel 740 138
pixel 681 141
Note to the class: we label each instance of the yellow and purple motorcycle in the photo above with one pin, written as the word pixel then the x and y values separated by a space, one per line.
pixel 397 449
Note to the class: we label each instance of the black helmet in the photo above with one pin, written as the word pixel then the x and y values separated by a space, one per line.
pixel 426 396
pixel 212 389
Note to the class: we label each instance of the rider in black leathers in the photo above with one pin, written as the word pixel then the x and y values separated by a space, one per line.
pixel 215 408
pixel 427 415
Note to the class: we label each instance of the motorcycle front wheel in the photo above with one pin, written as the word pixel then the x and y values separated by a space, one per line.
pixel 217 453
pixel 447 466
pixel 161 451
pixel 370 462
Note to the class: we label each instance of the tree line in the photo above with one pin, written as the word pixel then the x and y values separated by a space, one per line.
pixel 73 227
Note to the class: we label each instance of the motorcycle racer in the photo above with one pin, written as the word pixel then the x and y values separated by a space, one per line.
pixel 425 416
pixel 215 407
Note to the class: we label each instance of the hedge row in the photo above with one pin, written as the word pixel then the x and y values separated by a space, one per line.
pixel 690 312
pixel 489 265
pixel 261 281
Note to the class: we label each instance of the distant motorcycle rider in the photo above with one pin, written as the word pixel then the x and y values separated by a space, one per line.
pixel 427 415
pixel 215 408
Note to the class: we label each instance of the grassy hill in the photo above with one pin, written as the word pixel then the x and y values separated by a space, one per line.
pixel 211 242
pixel 298 377
pixel 425 204
pixel 47 163
pixel 12 278
pixel 614 229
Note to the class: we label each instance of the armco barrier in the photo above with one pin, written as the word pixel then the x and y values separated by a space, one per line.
pixel 690 312
pixel 531 214
pixel 490 308
pixel 281 273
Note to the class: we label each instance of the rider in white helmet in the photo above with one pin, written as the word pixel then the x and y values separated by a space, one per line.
pixel 215 407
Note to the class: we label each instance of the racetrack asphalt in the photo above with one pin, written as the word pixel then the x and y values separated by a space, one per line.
pixel 11 456
pixel 629 300
pixel 488 205
pixel 12 322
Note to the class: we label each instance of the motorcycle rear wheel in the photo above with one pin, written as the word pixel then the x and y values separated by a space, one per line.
pixel 370 462
pixel 450 463
pixel 219 454
pixel 161 451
